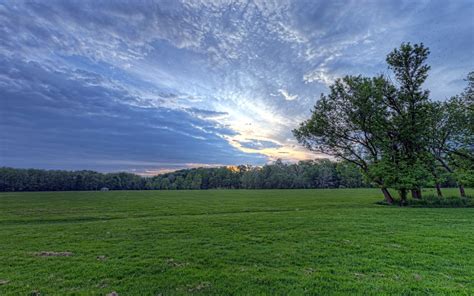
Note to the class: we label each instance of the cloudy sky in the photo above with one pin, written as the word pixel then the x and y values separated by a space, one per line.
pixel 159 85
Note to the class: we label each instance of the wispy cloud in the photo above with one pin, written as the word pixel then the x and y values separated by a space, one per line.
pixel 286 95
pixel 320 75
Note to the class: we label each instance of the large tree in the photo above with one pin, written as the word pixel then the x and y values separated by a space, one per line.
pixel 407 155
pixel 350 123
pixel 378 125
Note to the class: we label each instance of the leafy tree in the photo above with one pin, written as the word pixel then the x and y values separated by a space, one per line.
pixel 445 127
pixel 179 181
pixel 349 175
pixel 165 184
pixel 196 182
pixel 406 153
pixel 350 123
pixel 452 136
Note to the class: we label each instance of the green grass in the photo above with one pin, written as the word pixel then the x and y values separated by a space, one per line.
pixel 260 242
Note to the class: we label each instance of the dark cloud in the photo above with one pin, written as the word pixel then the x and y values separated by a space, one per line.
pixel 57 120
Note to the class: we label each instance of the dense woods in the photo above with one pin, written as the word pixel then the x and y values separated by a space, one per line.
pixel 321 173
pixel 393 131
pixel 305 174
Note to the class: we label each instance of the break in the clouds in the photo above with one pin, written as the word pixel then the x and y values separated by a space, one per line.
pixel 153 86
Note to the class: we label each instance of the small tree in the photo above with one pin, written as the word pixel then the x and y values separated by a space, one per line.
pixel 446 127
pixel 451 138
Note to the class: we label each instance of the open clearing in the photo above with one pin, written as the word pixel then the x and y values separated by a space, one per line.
pixel 231 242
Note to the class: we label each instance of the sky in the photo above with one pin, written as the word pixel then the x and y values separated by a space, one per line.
pixel 154 86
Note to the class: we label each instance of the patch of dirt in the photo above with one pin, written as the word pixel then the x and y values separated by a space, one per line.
pixel 379 274
pixel 53 254
pixel 102 284
pixel 4 282
pixel 199 287
pixel 309 270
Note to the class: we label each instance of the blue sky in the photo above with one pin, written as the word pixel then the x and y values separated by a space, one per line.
pixel 147 86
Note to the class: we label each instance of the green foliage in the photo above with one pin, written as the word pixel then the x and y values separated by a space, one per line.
pixel 39 180
pixel 407 138
pixel 305 174
pixel 350 175
pixel 451 143
pixel 392 131
pixel 405 175
pixel 231 242
pixel 347 123
pixel 463 169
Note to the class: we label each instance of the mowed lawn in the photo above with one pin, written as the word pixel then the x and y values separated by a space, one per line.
pixel 231 242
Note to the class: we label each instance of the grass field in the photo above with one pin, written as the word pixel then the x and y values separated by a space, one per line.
pixel 267 242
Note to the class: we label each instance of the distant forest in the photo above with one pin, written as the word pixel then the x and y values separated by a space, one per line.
pixel 278 175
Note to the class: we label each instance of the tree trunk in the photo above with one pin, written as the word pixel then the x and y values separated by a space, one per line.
pixel 402 193
pixel 387 195
pixel 403 196
pixel 416 193
pixel 461 190
pixel 438 190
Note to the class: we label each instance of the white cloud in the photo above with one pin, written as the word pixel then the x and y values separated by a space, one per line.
pixel 320 75
pixel 286 95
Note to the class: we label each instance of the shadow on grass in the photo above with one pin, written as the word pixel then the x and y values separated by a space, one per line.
pixel 431 201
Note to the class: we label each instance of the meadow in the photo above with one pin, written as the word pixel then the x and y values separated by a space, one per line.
pixel 231 242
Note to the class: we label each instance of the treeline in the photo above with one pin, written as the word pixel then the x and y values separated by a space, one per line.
pixel 393 131
pixel 304 174
pixel 12 179
pixel 279 175
pixel 321 173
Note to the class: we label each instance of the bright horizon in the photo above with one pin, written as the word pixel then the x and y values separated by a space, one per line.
pixel 152 88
